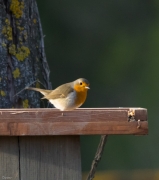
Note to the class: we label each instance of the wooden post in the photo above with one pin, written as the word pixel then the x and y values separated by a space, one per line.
pixel 43 144
pixel 50 157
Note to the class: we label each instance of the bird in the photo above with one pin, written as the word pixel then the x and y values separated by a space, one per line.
pixel 68 96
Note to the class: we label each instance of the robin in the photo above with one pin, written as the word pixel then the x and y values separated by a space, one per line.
pixel 68 96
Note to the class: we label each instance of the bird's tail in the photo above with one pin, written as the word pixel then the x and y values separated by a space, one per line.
pixel 42 91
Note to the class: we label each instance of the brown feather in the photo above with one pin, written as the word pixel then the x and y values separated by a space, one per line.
pixel 60 92
pixel 42 91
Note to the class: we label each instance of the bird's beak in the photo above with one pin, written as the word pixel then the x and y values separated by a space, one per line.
pixel 87 87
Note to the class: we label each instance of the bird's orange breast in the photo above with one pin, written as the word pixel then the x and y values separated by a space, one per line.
pixel 81 97
pixel 81 94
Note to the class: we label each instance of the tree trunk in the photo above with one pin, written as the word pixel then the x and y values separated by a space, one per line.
pixel 22 57
pixel 22 62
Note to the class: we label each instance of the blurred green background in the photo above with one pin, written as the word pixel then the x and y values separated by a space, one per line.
pixel 115 45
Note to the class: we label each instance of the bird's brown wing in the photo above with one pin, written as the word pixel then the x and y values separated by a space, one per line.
pixel 60 92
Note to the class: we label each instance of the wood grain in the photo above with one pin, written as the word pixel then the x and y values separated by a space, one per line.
pixel 9 158
pixel 25 122
pixel 50 157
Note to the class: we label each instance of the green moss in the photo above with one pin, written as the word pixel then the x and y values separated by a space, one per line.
pixel 16 8
pixel 16 73
pixel 25 103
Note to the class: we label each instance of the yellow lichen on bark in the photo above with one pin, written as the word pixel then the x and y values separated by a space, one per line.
pixel 7 30
pixel 37 85
pixel 12 49
pixel 4 44
pixel 20 28
pixel 34 21
pixel 25 35
pixel 16 73
pixel 20 53
pixel 2 93
pixel 25 103
pixel 16 8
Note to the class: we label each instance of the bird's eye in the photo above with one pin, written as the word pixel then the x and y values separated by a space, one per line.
pixel 81 83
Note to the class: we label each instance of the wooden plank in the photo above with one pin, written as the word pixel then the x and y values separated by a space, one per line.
pixel 50 157
pixel 22 122
pixel 9 158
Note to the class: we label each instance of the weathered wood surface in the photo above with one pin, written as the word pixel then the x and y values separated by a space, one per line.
pixel 9 158
pixel 50 157
pixel 21 122
pixel 40 158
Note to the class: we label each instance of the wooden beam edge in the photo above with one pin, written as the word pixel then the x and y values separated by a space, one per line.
pixel 74 128
pixel 123 121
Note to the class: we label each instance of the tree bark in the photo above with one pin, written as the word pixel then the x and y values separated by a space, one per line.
pixel 22 56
